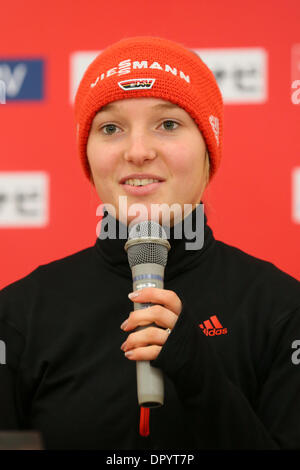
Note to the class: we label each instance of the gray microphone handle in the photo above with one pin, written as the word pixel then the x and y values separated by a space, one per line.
pixel 150 381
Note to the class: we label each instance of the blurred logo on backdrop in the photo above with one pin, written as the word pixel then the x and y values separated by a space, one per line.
pixel 24 199
pixel 295 74
pixel 296 195
pixel 21 80
pixel 240 72
pixel 2 92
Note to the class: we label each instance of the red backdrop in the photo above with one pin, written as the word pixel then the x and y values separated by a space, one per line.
pixel 252 199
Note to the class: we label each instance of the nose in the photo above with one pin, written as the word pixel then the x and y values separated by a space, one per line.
pixel 139 148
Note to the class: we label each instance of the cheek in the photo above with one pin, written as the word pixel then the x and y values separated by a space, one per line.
pixel 185 161
pixel 100 159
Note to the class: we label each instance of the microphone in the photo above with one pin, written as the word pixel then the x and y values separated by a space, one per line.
pixel 147 249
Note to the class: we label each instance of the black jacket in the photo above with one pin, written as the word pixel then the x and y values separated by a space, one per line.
pixel 230 381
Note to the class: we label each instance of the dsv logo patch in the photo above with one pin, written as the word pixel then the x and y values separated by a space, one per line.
pixel 137 83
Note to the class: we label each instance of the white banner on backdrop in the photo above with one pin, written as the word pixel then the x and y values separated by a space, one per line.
pixel 79 62
pixel 24 199
pixel 240 72
pixel 296 195
pixel 295 74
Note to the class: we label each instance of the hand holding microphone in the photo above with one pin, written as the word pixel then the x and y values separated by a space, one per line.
pixel 146 344
pixel 155 309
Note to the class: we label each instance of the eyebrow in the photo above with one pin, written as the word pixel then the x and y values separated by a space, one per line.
pixel 158 106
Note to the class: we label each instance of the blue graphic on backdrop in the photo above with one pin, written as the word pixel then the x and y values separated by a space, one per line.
pixel 24 79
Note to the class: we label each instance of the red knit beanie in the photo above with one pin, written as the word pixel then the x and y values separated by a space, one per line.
pixel 147 66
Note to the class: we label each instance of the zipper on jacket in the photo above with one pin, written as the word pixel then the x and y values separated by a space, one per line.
pixel 144 421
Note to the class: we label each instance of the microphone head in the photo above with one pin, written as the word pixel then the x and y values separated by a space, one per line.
pixel 147 229
pixel 147 243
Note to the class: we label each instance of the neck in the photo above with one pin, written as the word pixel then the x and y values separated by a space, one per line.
pixel 189 239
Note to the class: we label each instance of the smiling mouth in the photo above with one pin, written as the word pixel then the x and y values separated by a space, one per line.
pixel 142 189
pixel 140 182
pixel 141 185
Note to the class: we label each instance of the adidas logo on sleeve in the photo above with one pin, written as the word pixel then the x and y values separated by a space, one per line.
pixel 213 327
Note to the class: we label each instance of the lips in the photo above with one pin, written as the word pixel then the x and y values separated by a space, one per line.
pixel 140 176
pixel 141 190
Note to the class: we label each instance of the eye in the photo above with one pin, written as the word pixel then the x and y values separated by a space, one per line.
pixel 110 128
pixel 168 127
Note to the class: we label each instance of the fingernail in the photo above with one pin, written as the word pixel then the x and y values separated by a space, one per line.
pixel 124 324
pixel 128 353
pixel 123 347
pixel 133 294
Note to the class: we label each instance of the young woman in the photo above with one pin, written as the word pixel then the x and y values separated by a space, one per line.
pixel 149 130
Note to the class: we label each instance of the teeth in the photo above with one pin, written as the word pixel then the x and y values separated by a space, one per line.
pixel 136 182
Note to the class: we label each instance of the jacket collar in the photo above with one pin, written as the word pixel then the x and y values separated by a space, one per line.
pixel 196 234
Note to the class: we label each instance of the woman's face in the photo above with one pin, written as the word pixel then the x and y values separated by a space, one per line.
pixel 147 138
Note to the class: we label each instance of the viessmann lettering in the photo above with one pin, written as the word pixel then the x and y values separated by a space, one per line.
pixel 127 65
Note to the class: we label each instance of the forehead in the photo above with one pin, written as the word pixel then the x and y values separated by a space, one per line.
pixel 151 103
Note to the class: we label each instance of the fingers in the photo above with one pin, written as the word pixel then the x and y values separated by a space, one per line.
pixel 148 353
pixel 145 337
pixel 145 316
pixel 146 344
pixel 168 298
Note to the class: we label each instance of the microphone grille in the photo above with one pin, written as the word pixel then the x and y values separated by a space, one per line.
pixel 155 247
pixel 147 229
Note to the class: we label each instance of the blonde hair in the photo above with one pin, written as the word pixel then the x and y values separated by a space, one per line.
pixel 206 170
pixel 205 194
